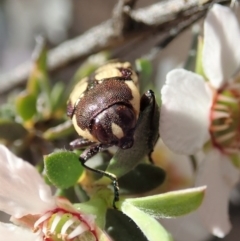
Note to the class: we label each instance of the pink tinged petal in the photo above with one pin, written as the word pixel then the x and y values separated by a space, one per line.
pixel 12 232
pixel 220 176
pixel 221 50
pixel 22 189
pixel 184 118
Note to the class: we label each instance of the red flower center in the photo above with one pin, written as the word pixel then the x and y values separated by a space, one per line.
pixel 225 119
pixel 62 225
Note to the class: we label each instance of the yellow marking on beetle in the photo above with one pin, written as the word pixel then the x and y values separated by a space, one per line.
pixel 117 131
pixel 78 90
pixel 111 70
pixel 84 133
pixel 135 102
pixel 134 78
pixel 114 65
pixel 108 73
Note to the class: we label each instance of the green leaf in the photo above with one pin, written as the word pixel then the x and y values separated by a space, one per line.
pixel 199 67
pixel 150 227
pixel 146 135
pixel 171 204
pixel 121 228
pixel 7 111
pixel 69 193
pixel 95 206
pixel 38 79
pixel 11 131
pixel 63 168
pixel 144 67
pixel 143 178
pixel 26 106
pixel 57 96
pixel 59 131
pixel 90 65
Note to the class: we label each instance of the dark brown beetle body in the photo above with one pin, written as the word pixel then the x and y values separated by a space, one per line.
pixel 105 106
pixel 104 109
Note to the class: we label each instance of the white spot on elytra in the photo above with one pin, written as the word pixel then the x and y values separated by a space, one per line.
pixel 117 131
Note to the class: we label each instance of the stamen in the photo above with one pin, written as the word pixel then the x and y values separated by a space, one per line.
pixel 42 219
pixel 66 226
pixel 234 86
pixel 44 227
pixel 56 221
pixel 226 137
pixel 220 107
pixel 220 114
pixel 219 127
pixel 231 150
pixel 227 99
pixel 78 230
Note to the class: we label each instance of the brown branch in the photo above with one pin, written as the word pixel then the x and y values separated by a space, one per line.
pixel 161 17
pixel 121 16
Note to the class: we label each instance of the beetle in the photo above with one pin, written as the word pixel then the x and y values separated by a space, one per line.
pixel 105 109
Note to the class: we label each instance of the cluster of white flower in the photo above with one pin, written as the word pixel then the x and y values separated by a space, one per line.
pixel 203 113
pixel 36 214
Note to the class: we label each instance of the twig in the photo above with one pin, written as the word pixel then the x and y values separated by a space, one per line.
pixel 160 17
pixel 122 21
pixel 172 35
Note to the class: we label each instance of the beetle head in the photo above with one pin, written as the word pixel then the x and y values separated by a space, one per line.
pixel 115 126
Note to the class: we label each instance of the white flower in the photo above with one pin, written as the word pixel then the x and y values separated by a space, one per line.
pixel 195 112
pixel 35 213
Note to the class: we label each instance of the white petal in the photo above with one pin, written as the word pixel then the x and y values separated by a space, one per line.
pixel 22 189
pixel 12 232
pixel 184 118
pixel 221 50
pixel 220 176
pixel 186 228
pixel 178 167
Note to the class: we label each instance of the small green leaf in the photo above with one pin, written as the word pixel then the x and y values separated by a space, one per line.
pixel 199 67
pixel 11 131
pixel 63 168
pixel 95 206
pixel 171 204
pixel 150 227
pixel 26 105
pixel 121 228
pixel 59 131
pixel 57 96
pixel 7 111
pixel 144 67
pixel 143 178
pixel 38 79
pixel 69 193
pixel 90 65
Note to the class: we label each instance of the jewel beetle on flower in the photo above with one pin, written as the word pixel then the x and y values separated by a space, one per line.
pixel 105 109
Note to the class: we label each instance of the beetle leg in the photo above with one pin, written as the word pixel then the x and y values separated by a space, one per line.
pixel 90 152
pixel 80 143
pixel 147 99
